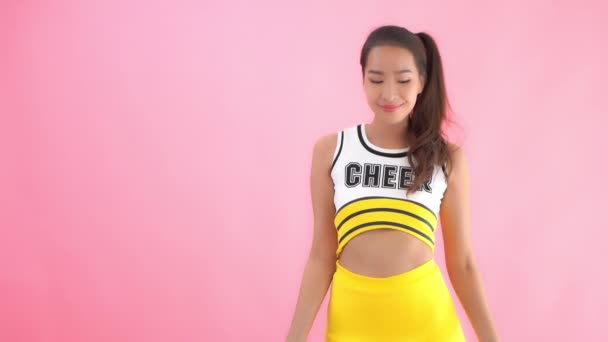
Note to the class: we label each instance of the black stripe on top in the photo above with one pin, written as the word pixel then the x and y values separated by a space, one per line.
pixel 390 210
pixel 388 223
pixel 389 198
pixel 372 150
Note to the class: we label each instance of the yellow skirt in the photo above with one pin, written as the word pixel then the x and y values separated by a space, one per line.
pixel 411 306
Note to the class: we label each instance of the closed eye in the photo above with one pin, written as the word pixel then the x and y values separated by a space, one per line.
pixel 378 82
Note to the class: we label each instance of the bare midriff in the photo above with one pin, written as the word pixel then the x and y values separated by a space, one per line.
pixel 384 253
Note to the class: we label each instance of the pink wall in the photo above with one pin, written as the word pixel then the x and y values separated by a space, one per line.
pixel 156 155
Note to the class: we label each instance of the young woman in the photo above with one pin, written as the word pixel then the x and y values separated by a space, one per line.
pixel 378 192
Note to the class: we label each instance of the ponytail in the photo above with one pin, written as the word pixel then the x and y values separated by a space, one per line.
pixel 430 147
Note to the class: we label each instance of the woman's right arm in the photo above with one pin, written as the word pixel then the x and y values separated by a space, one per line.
pixel 321 263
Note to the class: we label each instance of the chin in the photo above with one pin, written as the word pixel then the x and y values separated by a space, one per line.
pixel 397 117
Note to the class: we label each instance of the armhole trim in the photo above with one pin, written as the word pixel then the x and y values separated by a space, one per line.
pixel 338 150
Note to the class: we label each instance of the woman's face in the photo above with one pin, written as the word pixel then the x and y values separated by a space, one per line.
pixel 391 83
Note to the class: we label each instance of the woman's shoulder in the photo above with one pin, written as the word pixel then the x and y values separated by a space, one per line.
pixel 458 160
pixel 457 152
pixel 328 142
pixel 325 147
pixel 455 149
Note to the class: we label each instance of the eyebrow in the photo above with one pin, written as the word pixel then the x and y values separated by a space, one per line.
pixel 382 73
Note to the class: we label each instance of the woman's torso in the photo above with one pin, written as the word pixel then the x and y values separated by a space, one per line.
pixel 385 230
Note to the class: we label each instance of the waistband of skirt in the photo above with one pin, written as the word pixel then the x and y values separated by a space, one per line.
pixel 422 271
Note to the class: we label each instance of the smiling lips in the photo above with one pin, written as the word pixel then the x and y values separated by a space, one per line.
pixel 390 108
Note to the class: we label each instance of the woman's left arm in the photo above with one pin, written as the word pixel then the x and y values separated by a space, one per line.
pixel 460 261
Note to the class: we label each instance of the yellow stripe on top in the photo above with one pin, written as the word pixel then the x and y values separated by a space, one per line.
pixel 371 213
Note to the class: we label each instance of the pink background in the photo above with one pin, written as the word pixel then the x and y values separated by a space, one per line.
pixel 155 159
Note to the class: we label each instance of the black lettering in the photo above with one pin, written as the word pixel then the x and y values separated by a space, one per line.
pixel 389 177
pixel 371 175
pixel 353 174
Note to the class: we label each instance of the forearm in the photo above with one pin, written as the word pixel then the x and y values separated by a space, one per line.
pixel 469 289
pixel 316 279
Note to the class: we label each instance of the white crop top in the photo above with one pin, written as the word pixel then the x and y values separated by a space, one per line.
pixel 370 185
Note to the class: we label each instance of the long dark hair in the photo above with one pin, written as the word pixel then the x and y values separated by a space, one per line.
pixel 430 146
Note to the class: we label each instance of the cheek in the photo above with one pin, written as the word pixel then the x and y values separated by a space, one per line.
pixel 410 92
pixel 371 92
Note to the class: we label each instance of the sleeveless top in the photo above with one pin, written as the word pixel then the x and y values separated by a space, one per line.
pixel 370 184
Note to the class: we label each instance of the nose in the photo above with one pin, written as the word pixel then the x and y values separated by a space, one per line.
pixel 389 92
